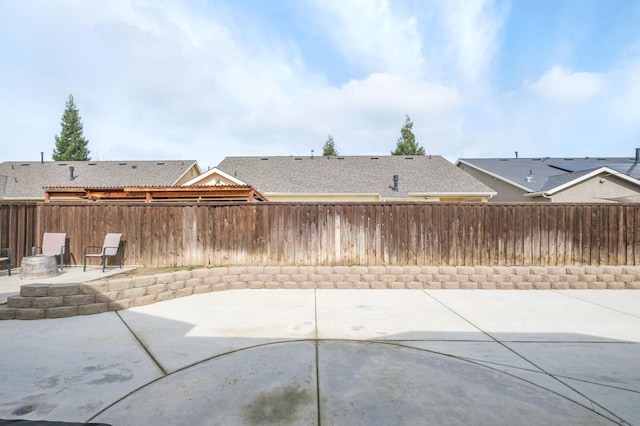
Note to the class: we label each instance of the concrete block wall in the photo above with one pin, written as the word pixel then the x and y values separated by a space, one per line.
pixel 37 301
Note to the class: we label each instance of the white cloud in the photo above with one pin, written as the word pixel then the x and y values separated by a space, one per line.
pixel 624 106
pixel 561 85
pixel 393 94
pixel 374 35
pixel 473 29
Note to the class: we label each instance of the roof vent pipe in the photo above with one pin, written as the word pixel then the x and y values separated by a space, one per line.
pixel 637 155
pixel 71 176
pixel 516 155
pixel 396 178
pixel 42 157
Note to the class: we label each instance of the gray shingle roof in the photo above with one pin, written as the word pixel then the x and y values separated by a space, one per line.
pixel 559 180
pixel 26 180
pixel 544 174
pixel 352 175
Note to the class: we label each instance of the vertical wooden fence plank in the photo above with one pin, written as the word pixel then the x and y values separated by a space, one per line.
pixel 630 236
pixel 616 254
pixel 561 246
pixel 505 231
pixel 586 234
pixel 633 236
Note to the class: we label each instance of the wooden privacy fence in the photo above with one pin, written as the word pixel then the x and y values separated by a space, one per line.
pixel 17 230
pixel 338 234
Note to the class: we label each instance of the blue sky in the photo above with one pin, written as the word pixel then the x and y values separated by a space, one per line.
pixel 205 79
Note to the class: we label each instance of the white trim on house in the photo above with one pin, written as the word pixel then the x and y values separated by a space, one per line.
pixel 583 178
pixel 195 163
pixel 210 172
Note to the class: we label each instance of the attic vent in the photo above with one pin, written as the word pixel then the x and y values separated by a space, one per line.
pixel 537 159
pixel 122 164
pixel 133 166
pixel 408 158
pixel 340 158
pixel 568 159
pixel 25 164
pixel 297 158
pixel 62 164
pixel 504 159
pixel 92 164
pixel 374 158
pixel 160 164
pixel 263 159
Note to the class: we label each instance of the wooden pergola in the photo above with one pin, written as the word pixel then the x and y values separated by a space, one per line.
pixel 154 193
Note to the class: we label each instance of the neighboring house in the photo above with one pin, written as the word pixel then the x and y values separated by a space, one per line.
pixel 575 180
pixel 25 181
pixel 349 178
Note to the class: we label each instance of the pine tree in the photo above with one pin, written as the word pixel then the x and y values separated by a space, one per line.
pixel 329 147
pixel 407 144
pixel 71 144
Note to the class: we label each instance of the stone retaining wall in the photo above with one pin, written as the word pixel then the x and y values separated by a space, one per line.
pixel 37 301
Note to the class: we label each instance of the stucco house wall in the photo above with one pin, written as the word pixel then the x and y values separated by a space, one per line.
pixel 598 189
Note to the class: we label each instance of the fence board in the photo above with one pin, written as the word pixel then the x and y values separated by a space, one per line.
pixel 561 248
pixel 635 242
pixel 629 236
pixel 553 235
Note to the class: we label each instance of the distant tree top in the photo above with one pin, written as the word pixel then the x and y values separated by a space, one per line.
pixel 71 144
pixel 407 144
pixel 329 147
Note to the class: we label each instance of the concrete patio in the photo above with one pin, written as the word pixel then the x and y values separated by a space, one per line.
pixel 338 357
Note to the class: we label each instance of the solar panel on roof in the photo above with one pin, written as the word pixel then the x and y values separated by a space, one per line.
pixel 575 167
pixel 624 167
pixel 631 169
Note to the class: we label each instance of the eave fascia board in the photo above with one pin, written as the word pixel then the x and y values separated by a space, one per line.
pixel 320 196
pixel 22 199
pixel 323 194
pixel 456 194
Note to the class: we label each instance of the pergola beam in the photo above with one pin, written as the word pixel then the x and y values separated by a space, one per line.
pixel 150 194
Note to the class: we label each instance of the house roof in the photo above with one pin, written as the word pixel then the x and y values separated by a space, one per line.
pixel 353 175
pixel 26 180
pixel 545 174
pixel 558 183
